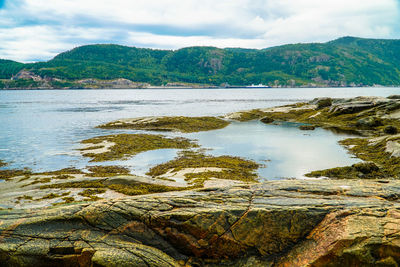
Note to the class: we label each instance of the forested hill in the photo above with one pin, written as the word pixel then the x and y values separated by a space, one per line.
pixel 347 61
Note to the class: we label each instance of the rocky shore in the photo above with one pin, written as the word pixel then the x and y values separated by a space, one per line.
pixel 349 216
pixel 282 223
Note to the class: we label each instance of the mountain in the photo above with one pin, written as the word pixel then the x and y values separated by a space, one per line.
pixel 347 61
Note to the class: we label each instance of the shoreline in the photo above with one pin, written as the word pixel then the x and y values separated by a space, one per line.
pixel 196 88
pixel 104 215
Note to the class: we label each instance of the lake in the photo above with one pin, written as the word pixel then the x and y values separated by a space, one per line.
pixel 41 129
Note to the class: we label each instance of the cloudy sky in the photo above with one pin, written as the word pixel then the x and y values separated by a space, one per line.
pixel 36 30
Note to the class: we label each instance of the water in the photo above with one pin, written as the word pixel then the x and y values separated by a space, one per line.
pixel 42 129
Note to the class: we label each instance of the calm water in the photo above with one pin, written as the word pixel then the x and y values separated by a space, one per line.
pixel 42 129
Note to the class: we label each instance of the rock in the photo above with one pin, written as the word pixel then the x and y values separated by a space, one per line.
pixel 323 102
pixel 369 122
pixel 354 105
pixel 394 97
pixel 307 127
pixel 27 75
pixel 393 148
pixel 365 167
pixel 390 130
pixel 267 120
pixel 277 223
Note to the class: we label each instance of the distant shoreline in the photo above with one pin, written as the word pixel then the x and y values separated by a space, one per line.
pixel 198 88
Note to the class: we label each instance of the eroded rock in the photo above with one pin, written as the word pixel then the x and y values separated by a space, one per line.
pixel 279 223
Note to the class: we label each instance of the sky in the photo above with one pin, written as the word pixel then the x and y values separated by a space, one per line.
pixel 37 30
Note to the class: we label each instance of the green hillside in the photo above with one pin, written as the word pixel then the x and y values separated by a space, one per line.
pixel 9 68
pixel 345 61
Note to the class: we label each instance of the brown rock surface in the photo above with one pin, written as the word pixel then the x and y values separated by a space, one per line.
pixel 276 223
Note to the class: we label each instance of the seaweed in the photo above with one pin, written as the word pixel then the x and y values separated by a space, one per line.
pixel 232 168
pixel 107 171
pixel 130 188
pixel 178 124
pixel 131 144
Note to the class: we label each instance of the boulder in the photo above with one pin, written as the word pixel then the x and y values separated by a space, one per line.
pixel 369 122
pixel 390 130
pixel 307 127
pixel 267 120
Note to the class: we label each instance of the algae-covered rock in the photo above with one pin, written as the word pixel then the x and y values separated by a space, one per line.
pixel 307 127
pixel 267 120
pixel 369 122
pixel 390 130
pixel 178 124
pixel 323 102
pixel 365 167
pixel 121 146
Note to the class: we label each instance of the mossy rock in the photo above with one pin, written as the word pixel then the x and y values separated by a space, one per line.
pixel 366 167
pixel 267 120
pixel 369 122
pixel 390 130
pixel 324 102
pixel 125 145
pixel 230 168
pixel 307 127
pixel 176 124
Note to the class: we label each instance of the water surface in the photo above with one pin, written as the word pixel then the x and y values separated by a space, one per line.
pixel 42 129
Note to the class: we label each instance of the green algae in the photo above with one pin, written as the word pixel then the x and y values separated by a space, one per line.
pixel 90 194
pixel 364 170
pixel 250 115
pixel 126 145
pixel 65 171
pixel 53 195
pixel 128 188
pixel 107 171
pixel 3 163
pixel 143 188
pixel 63 177
pixel 232 168
pixel 380 164
pixel 8 174
pixel 67 200
pixel 178 124
pixel 25 197
pixel 43 180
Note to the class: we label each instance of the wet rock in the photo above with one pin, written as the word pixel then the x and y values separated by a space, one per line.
pixel 323 102
pixel 307 127
pixel 390 130
pixel 369 122
pixel 393 148
pixel 365 167
pixel 267 120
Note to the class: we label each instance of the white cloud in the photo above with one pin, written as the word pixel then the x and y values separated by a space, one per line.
pixel 39 29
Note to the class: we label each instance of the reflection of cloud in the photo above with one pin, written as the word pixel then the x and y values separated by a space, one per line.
pixel 38 29
pixel 292 153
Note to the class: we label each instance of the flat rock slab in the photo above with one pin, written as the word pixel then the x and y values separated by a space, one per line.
pixel 277 223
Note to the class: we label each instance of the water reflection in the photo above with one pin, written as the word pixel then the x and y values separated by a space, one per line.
pixel 286 151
